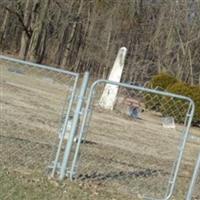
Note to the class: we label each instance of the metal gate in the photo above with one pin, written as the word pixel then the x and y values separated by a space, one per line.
pixel 140 156
pixel 36 103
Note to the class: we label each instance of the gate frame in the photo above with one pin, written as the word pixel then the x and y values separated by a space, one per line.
pixel 196 173
pixel 87 115
pixel 66 106
pixel 76 117
pixel 64 127
pixel 182 143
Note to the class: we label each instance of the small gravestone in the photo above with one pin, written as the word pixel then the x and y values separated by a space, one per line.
pixel 133 107
pixel 134 112
pixel 168 122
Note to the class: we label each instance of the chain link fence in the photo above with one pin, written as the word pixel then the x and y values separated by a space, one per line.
pixel 137 148
pixel 35 100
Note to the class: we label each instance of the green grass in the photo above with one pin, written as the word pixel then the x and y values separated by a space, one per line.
pixel 16 186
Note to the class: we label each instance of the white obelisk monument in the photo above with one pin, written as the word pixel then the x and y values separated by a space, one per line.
pixel 108 97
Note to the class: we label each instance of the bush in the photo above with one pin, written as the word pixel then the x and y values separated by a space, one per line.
pixel 190 91
pixel 175 107
pixel 162 80
pixel 171 106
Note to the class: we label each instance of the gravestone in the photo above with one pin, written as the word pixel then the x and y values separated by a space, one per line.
pixel 108 97
pixel 168 122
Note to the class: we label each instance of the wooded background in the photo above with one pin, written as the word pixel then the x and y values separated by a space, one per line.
pixel 79 35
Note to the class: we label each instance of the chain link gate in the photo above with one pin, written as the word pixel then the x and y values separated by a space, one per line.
pixel 137 157
pixel 36 104
pixel 62 169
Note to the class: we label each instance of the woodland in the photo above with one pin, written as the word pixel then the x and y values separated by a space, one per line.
pixel 80 35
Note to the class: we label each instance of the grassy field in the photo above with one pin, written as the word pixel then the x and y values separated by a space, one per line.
pixel 122 158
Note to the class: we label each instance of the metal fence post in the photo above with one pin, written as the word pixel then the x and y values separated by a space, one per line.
pixel 74 126
pixel 194 179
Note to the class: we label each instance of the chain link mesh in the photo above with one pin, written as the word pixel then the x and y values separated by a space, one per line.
pixel 133 150
pixel 33 106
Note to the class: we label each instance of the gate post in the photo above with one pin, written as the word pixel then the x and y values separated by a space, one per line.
pixel 194 179
pixel 74 126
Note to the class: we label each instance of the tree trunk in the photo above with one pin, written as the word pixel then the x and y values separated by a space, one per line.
pixel 25 39
pixel 63 35
pixel 191 68
pixel 107 57
pixel 34 53
pixel 71 36
pixel 60 49
pixel 4 27
pixel 83 47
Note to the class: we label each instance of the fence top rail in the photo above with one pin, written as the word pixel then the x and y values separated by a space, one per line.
pixel 144 89
pixel 38 65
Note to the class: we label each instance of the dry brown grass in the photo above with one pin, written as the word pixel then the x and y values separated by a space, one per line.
pixel 123 158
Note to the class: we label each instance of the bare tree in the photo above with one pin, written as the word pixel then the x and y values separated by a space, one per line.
pixel 26 36
pixel 161 36
pixel 37 42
